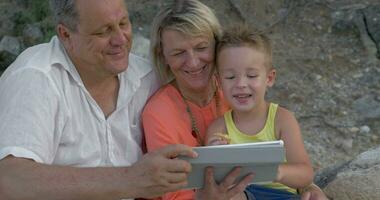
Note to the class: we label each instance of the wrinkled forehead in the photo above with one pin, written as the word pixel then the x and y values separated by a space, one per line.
pixel 190 33
pixel 188 27
pixel 175 40
pixel 100 10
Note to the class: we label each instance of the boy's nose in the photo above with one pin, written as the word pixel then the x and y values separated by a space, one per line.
pixel 241 82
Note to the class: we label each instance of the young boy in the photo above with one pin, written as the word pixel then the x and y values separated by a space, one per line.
pixel 244 64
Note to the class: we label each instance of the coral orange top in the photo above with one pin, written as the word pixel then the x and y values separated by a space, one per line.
pixel 166 121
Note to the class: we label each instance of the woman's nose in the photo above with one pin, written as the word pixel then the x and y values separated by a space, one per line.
pixel 192 59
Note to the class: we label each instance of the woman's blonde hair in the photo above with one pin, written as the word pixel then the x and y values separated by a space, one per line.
pixel 190 17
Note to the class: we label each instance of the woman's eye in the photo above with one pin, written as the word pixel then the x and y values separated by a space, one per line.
pixel 178 53
pixel 229 77
pixel 251 76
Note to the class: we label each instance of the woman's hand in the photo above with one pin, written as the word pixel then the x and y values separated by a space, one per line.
pixel 227 189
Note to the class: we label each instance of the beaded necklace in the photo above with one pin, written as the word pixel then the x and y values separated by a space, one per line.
pixel 194 128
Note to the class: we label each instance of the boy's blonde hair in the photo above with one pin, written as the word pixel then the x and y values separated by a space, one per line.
pixel 243 35
pixel 190 17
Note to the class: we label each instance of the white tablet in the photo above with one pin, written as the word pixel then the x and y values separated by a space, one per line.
pixel 262 158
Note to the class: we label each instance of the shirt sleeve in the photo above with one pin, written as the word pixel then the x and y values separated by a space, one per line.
pixel 162 126
pixel 159 127
pixel 29 113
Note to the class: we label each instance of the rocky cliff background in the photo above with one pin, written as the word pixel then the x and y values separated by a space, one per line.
pixel 327 55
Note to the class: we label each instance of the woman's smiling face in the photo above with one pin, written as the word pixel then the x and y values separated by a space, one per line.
pixel 191 59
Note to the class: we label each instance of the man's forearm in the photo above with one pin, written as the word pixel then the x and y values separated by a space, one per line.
pixel 26 179
pixel 153 175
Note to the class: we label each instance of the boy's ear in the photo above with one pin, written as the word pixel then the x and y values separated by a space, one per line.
pixel 271 77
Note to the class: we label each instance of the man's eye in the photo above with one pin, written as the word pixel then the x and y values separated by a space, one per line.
pixel 251 76
pixel 103 32
pixel 100 33
pixel 124 24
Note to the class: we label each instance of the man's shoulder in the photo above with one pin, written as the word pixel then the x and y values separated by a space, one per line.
pixel 38 57
pixel 140 74
pixel 139 65
pixel 39 66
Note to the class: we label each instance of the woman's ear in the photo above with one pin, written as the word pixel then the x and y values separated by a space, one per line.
pixel 271 77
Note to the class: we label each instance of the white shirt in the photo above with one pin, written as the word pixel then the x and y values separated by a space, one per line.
pixel 46 113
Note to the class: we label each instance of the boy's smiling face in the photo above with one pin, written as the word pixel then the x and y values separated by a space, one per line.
pixel 244 77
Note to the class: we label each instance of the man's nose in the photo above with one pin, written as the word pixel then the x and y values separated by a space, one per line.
pixel 119 37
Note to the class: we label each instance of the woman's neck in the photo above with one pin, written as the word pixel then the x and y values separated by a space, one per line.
pixel 201 97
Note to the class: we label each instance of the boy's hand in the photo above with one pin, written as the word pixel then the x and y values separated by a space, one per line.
pixel 218 139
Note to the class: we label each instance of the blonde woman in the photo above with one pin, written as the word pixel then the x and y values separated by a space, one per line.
pixel 183 41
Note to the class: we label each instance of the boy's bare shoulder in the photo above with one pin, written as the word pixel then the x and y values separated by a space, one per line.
pixel 283 112
pixel 283 116
pixel 218 125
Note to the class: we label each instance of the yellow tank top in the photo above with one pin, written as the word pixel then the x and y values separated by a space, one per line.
pixel 266 134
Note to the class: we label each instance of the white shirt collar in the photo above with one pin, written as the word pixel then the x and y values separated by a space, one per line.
pixel 138 67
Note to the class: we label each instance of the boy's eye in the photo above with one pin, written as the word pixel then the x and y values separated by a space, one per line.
pixel 252 76
pixel 202 47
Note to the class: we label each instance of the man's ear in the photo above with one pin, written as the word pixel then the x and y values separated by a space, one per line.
pixel 64 34
pixel 271 77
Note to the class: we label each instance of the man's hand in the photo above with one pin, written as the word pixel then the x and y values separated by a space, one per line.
pixel 160 171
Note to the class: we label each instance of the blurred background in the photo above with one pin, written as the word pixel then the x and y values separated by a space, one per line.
pixel 327 56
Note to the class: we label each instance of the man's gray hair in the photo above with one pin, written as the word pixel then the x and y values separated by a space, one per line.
pixel 65 13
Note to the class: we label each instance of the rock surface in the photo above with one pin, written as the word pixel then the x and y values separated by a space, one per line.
pixel 360 180
pixel 326 53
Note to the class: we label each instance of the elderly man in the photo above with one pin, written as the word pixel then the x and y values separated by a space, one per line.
pixel 70 113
